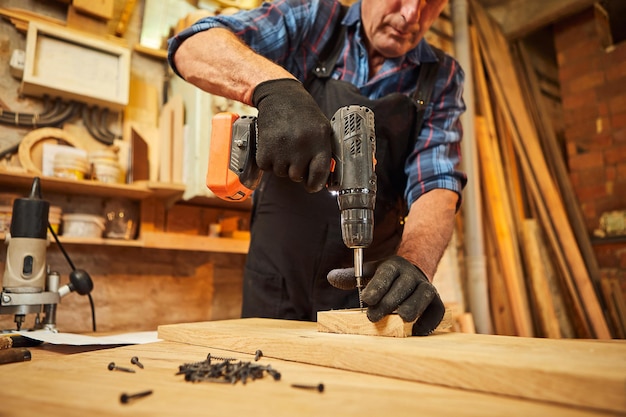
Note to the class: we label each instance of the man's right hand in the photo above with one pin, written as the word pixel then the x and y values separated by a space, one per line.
pixel 294 136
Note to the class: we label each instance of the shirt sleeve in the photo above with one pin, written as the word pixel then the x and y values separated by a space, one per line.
pixel 434 161
pixel 284 31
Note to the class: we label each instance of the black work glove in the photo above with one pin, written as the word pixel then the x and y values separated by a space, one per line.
pixel 395 283
pixel 294 136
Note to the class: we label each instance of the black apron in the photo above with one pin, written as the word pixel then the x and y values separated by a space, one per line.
pixel 296 236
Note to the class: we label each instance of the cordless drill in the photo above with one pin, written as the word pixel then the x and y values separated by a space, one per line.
pixel 233 173
pixel 354 180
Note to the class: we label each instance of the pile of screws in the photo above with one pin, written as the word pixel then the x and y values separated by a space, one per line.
pixel 225 370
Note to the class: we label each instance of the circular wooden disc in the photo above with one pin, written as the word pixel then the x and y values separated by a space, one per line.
pixel 31 147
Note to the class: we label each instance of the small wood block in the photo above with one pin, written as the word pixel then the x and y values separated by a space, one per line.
pixel 353 321
pixel 102 9
pixel 6 342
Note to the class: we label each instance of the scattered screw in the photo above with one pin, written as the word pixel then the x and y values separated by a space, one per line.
pixel 319 387
pixel 228 371
pixel 257 355
pixel 135 361
pixel 218 358
pixel 113 367
pixel 125 398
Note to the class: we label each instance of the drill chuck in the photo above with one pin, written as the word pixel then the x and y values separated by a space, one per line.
pixel 357 227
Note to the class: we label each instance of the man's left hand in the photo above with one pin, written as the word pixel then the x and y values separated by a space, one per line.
pixel 395 284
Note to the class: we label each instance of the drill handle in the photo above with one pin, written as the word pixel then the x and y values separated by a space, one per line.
pixel 354 150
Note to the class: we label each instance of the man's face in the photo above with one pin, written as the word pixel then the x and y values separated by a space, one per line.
pixel 394 27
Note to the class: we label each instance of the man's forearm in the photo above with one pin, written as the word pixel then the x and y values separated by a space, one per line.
pixel 428 229
pixel 216 61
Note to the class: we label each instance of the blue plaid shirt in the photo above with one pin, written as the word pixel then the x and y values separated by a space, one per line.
pixel 293 33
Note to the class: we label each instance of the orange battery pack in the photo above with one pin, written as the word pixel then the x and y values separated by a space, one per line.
pixel 232 172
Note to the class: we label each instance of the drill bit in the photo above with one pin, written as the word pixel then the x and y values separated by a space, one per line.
pixel 358 273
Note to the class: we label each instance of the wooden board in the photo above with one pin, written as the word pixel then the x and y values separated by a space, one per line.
pixel 67 383
pixel 355 321
pixel 572 372
pixel 102 9
pixel 171 146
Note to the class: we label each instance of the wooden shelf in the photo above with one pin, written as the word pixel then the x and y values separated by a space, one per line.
pixel 163 241
pixel 89 188
pixel 179 241
pixel 170 193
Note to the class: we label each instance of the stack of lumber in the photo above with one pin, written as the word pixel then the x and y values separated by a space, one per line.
pixel 543 276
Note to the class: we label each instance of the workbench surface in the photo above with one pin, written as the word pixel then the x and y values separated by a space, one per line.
pixel 79 384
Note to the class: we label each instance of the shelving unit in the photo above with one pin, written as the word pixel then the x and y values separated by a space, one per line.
pixel 167 241
pixel 145 193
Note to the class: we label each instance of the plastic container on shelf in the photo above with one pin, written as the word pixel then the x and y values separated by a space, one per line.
pixel 82 225
pixel 107 172
pixel 105 166
pixel 70 165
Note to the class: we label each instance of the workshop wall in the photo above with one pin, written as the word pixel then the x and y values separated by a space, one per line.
pixel 593 89
pixel 134 288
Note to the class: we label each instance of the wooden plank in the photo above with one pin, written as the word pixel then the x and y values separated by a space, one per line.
pixel 615 303
pixel 572 372
pixel 67 383
pixel 85 23
pixel 501 68
pixel 102 9
pixel 500 216
pixel 171 146
pixel 537 261
pixel 499 202
pixel 498 299
pixel 22 17
pixel 355 321
pixel 178 139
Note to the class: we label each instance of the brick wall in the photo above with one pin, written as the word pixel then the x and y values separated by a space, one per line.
pixel 593 89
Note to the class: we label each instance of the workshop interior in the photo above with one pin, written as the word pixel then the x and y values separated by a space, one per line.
pixel 121 210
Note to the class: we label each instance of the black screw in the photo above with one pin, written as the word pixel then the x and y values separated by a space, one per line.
pixel 125 398
pixel 257 355
pixel 319 387
pixel 113 367
pixel 135 361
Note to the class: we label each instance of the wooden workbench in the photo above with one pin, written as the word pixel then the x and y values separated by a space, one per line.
pixel 79 384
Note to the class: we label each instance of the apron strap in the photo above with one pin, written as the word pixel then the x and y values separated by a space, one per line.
pixel 329 55
pixel 425 85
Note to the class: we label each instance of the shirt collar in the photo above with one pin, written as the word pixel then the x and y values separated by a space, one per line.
pixel 423 52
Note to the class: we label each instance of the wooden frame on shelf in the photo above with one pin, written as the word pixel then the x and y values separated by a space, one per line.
pixel 55 66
